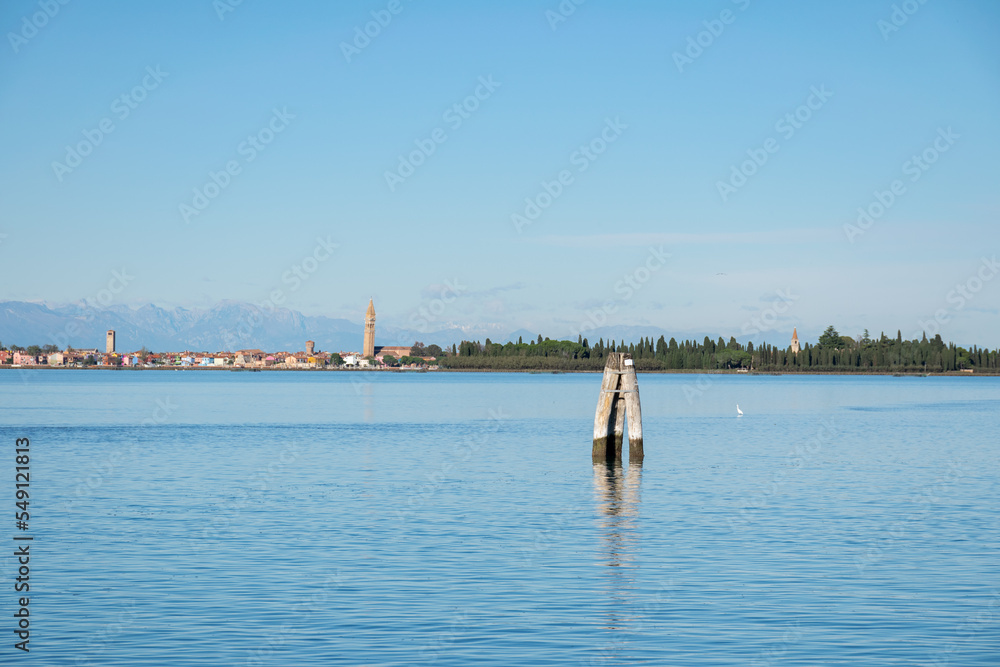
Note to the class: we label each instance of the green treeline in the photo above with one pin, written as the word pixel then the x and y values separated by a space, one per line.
pixel 833 353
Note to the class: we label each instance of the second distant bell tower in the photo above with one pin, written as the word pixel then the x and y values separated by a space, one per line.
pixel 369 350
pixel 109 343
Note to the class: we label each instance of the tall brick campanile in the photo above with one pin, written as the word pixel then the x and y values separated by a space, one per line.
pixel 369 350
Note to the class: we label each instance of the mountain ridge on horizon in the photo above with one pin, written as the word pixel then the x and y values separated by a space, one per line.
pixel 233 325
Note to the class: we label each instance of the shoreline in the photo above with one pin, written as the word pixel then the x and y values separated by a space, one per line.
pixel 9 367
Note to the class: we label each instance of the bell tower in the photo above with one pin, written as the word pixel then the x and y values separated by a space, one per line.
pixel 795 341
pixel 369 349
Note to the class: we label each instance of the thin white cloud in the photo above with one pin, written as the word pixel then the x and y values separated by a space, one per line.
pixel 790 236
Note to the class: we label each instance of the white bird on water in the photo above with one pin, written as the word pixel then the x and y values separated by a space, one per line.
pixel 739 413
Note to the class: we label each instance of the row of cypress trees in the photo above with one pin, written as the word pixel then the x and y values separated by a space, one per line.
pixel 833 354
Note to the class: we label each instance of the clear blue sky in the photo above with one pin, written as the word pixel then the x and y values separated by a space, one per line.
pixel 678 131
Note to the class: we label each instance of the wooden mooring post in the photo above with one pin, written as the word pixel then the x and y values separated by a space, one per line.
pixel 619 395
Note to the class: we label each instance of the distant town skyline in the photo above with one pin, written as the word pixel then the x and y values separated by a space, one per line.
pixel 67 328
pixel 740 169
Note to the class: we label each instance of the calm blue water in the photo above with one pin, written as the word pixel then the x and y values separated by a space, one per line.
pixel 217 518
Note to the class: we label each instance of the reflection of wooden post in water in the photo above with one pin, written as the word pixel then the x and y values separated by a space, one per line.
pixel 619 394
pixel 617 495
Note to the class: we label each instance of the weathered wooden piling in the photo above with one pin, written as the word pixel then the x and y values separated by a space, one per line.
pixel 619 395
